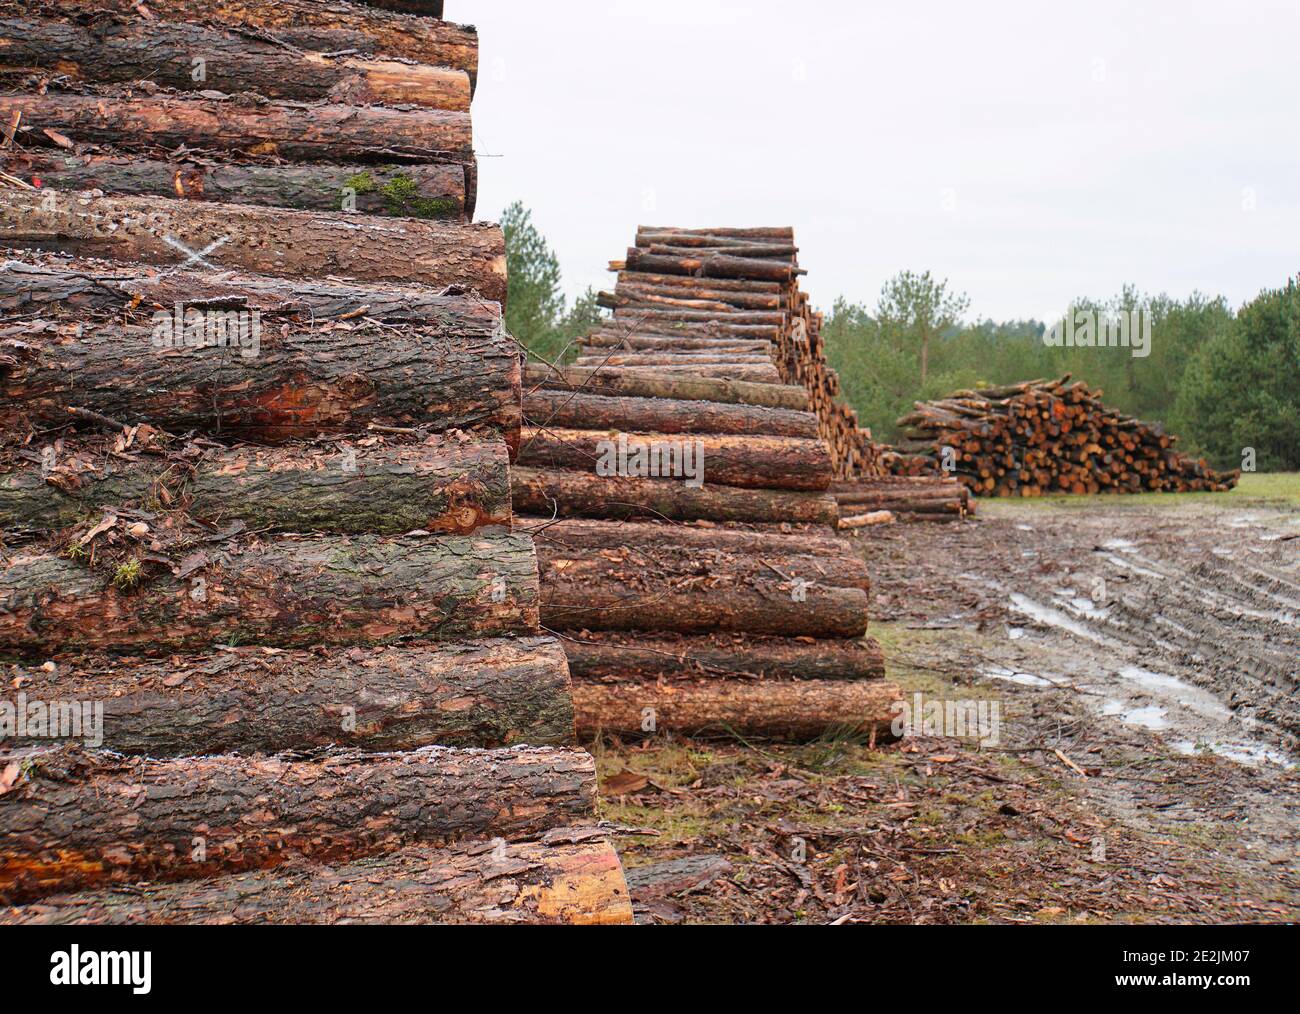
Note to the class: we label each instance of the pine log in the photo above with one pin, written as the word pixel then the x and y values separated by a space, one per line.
pixel 75 819
pixel 678 344
pixel 690 357
pixel 614 657
pixel 583 494
pixel 298 131
pixel 309 382
pixel 412 191
pixel 640 385
pixel 769 234
pixel 735 552
pixel 711 266
pixel 249 700
pixel 326 26
pixel 576 410
pixel 447 487
pixel 77 284
pixel 652 588
pixel 285 592
pixel 166 52
pixel 787 711
pixel 751 462
pixel 691 284
pixel 274 241
pixel 569 877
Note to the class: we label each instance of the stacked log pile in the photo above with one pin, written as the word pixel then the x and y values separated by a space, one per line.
pixel 267 629
pixel 1045 437
pixel 710 602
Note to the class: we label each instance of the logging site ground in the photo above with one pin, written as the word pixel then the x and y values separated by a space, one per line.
pixel 1140 651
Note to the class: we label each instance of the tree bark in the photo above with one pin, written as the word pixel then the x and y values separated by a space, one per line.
pixel 447 487
pixel 575 410
pixel 570 878
pixel 77 819
pixel 274 241
pixel 630 325
pixel 711 266
pixel 326 26
pixel 688 283
pixel 297 386
pixel 79 285
pixel 690 358
pixel 297 131
pixel 665 343
pixel 788 711
pixel 583 494
pixel 285 592
pixel 613 657
pixel 621 382
pixel 751 462
pixel 117 52
pixel 248 700
pixel 629 587
pixel 412 191
pixel 825 560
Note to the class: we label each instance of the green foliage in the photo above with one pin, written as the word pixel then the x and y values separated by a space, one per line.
pixel 1242 388
pixel 537 313
pixel 878 354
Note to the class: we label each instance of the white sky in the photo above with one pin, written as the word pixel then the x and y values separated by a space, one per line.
pixel 1030 152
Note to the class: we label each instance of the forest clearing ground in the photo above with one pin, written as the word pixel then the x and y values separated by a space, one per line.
pixel 1150 642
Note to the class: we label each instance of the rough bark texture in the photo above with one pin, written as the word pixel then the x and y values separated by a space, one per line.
pixel 309 382
pixel 826 560
pixel 612 657
pixel 710 265
pixel 582 494
pixel 77 284
pixel 414 191
pixel 761 374
pixel 286 592
pixel 625 383
pixel 575 410
pixel 568 878
pixel 751 461
pixel 778 710
pixel 248 700
pixel 120 52
pixel 327 26
pixel 77 819
pixel 447 487
pixel 298 131
pixel 693 590
pixel 273 241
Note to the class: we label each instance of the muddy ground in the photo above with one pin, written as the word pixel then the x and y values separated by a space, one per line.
pixel 1142 656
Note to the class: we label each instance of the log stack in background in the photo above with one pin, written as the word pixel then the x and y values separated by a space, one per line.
pixel 730 606
pixel 1044 437
pixel 284 569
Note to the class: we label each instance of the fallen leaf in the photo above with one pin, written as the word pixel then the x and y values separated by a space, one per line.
pixel 625 782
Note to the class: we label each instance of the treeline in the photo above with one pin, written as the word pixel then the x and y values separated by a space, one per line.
pixel 1223 380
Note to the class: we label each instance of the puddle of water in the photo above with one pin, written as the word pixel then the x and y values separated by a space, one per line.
pixel 1025 679
pixel 1123 545
pixel 1055 618
pixel 1149 717
pixel 1015 633
pixel 1242 753
pixel 1191 697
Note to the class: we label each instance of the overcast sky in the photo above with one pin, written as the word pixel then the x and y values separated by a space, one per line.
pixel 1029 152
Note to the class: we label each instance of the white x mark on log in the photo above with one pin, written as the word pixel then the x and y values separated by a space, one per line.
pixel 200 257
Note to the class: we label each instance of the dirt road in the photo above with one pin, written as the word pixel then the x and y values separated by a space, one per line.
pixel 1133 666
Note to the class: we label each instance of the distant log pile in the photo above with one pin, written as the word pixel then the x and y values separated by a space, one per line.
pixel 1045 437
pixel 267 632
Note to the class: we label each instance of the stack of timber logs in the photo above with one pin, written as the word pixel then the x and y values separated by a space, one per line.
pixel 1045 437
pixel 679 481
pixel 729 298
pixel 268 628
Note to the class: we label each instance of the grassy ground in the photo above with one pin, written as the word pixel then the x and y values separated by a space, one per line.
pixel 1274 489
